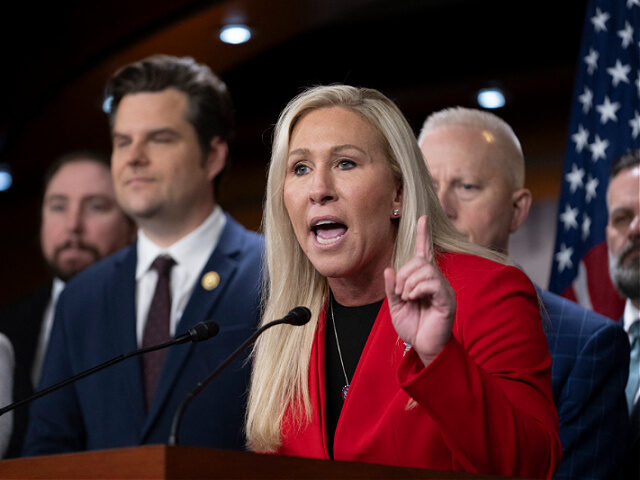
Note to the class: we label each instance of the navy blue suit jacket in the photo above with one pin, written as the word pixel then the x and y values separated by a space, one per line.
pixel 590 356
pixel 96 321
pixel 22 322
pixel 633 455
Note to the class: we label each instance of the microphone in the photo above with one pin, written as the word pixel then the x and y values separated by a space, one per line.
pixel 296 316
pixel 198 333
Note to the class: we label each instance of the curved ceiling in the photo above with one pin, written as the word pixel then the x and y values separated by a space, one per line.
pixel 426 55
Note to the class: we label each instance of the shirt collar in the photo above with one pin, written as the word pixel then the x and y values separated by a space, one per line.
pixel 631 314
pixel 56 289
pixel 187 251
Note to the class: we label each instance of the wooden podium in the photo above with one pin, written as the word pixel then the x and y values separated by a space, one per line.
pixel 163 462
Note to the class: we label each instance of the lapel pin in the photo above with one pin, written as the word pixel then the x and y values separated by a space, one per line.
pixel 210 280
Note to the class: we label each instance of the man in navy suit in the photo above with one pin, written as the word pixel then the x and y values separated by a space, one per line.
pixel 478 168
pixel 623 243
pixel 170 120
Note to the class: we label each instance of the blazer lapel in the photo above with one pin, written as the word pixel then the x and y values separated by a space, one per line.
pixel 373 387
pixel 31 326
pixel 122 317
pixel 199 308
pixel 634 424
pixel 317 388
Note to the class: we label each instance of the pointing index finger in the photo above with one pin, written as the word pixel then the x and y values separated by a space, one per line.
pixel 423 240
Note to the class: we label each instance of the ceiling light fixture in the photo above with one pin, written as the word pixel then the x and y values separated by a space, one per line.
pixel 235 34
pixel 106 105
pixel 6 179
pixel 491 98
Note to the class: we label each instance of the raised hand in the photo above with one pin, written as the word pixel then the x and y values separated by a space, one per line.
pixel 421 301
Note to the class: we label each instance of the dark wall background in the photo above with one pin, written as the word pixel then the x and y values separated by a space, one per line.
pixel 426 55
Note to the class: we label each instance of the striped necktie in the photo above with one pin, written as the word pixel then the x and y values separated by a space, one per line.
pixel 156 330
pixel 634 364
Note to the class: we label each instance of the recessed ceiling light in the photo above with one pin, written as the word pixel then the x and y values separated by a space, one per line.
pixel 491 98
pixel 6 179
pixel 106 105
pixel 235 34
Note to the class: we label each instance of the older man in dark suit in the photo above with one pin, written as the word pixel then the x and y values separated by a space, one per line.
pixel 478 168
pixel 80 224
pixel 170 121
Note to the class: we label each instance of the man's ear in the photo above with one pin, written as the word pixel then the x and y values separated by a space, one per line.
pixel 216 158
pixel 521 200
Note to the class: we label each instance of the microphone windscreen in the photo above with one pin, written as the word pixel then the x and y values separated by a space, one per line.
pixel 203 331
pixel 298 316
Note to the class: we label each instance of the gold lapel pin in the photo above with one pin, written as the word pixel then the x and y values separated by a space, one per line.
pixel 210 280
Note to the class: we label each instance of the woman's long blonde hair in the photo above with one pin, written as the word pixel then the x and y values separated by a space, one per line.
pixel 281 358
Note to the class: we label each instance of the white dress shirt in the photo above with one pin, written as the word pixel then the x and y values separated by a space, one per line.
pixel 631 315
pixel 45 331
pixel 190 254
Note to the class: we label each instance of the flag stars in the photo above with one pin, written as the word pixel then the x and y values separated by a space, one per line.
pixel 581 138
pixel 574 177
pixel 586 99
pixel 626 34
pixel 608 110
pixel 569 217
pixel 619 73
pixel 634 123
pixel 586 227
pixel 599 20
pixel 563 257
pixel 605 121
pixel 598 148
pixel 592 61
pixel 590 189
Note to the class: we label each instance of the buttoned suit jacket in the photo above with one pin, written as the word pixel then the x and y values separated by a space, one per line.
pixel 21 322
pixel 590 366
pixel 96 321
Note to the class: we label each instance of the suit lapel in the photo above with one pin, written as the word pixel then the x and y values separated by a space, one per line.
pixel 32 325
pixel 374 386
pixel 200 307
pixel 634 424
pixel 122 317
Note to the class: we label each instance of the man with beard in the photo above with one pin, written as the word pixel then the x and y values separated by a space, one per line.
pixel 80 224
pixel 623 241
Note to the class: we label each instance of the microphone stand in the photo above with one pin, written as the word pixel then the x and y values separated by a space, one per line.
pixel 177 418
pixel 186 337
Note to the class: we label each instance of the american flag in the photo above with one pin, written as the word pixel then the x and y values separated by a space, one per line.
pixel 605 124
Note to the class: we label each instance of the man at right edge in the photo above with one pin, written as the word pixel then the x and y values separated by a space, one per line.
pixel 623 243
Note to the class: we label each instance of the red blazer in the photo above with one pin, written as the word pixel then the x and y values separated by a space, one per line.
pixel 484 404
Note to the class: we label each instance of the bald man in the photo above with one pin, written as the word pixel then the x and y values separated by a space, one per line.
pixel 478 169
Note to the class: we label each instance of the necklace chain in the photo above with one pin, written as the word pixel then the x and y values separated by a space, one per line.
pixel 345 389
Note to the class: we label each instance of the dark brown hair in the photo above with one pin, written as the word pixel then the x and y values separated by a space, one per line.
pixel 101 158
pixel 628 160
pixel 209 110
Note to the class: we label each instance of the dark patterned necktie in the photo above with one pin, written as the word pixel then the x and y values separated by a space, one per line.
pixel 156 330
pixel 634 365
